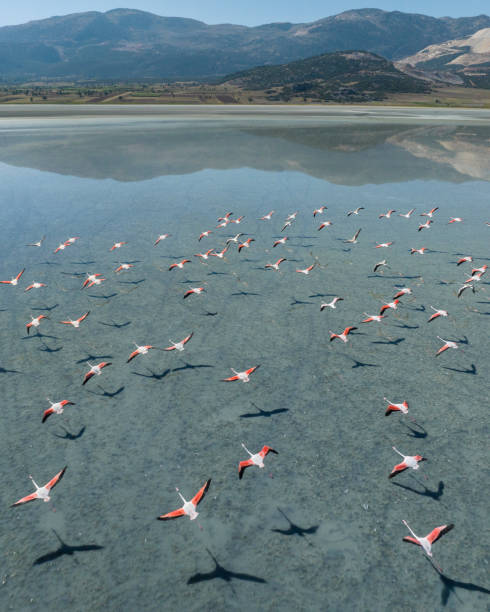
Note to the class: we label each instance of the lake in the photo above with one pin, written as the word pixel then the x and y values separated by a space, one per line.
pixel 320 528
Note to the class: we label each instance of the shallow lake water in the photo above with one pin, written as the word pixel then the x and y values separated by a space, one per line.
pixel 320 528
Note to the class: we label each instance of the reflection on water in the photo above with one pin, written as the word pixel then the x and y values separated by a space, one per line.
pixel 320 527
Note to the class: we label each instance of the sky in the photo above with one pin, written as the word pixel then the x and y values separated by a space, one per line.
pixel 244 12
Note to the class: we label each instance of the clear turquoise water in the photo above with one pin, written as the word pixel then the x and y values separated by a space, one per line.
pixel 166 420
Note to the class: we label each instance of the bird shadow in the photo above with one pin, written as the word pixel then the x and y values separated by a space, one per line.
pixel 361 364
pixel 153 375
pixel 436 495
pixel 405 326
pixel 263 413
pixel 245 293
pixel 114 324
pixel 449 586
pixel 93 357
pixel 209 314
pixel 215 273
pixel 47 308
pixel 102 297
pixel 82 263
pixel 65 549
pixel 222 573
pixel 49 263
pixel 463 340
pixel 5 371
pixel 395 342
pixel 190 366
pixel 294 529
pixel 69 436
pixel 135 282
pixel 39 335
pixel 299 302
pixel 47 349
pixel 321 295
pixel 421 433
pixel 105 393
pixel 470 370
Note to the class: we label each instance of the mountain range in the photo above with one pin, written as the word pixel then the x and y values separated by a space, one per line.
pixel 128 44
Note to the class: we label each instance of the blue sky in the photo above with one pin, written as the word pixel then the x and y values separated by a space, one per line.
pixel 246 12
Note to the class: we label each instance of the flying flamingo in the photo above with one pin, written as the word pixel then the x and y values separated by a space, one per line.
pixel 420 251
pixel 354 238
pixel 234 238
pixel 36 244
pixel 319 211
pixel 343 335
pixel 408 462
pixel 56 407
pixel 408 214
pixel 90 279
pixel 437 313
pixel 324 224
pixel 140 350
pixel 355 211
pixel 226 217
pixel 426 543
pixel 189 507
pixel 455 220
pixel 280 241
pixel 41 492
pixel 292 216
pixel 425 225
pixel 204 255
pixel 276 265
pixel 382 245
pixel 331 304
pixel 430 213
pixel 464 259
pixel 123 266
pixel 387 214
pixel 76 322
pixel 403 407
pixel 221 254
pixel 242 376
pixel 237 221
pixel 35 322
pixel 204 234
pixel 447 345
pixel 95 370
pixel 117 245
pixel 160 238
pixel 371 318
pixel 465 286
pixel 380 264
pixel 393 305
pixel 480 271
pixel 179 346
pixel 179 264
pixel 268 216
pixel 196 290
pixel 13 281
pixel 307 270
pixel 286 225
pixel 34 286
pixel 61 247
pixel 257 459
pixel 96 281
pixel 402 291
pixel 246 244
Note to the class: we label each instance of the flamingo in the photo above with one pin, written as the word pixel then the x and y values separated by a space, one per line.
pixel 61 247
pixel 268 216
pixel 319 211
pixel 237 221
pixel 255 459
pixel 34 286
pixel 96 281
pixel 36 244
pixel 380 264
pixel 14 281
pixel 276 265
pixel 324 224
pixel 425 225
pixel 117 245
pixel 221 254
pixel 204 255
pixel 56 407
pixel 280 241
pixel 408 462
pixel 455 220
pixel 420 251
pixel 204 234
pixel 160 238
pixel 196 290
pixel 41 492
pixel 464 287
pixel 331 304
pixel 245 244
pixel 408 214
pixel 241 376
pixel 343 335
pixel 189 507
pixel 307 270
pixel 292 216
pixel 437 313
pixel 354 238
pixel 430 214
pixel 464 259
pixel 72 240
pixel 426 542
pixel 226 217
pixel 90 279
pixel 179 264
pixel 234 238
pixel 447 345
pixel 383 245
pixel 35 322
pixel 480 271
pixel 76 322
pixel 95 370
pixel 140 350
pixel 392 407
pixel 371 318
pixel 402 291
pixel 179 346
pixel 286 225
pixel 123 266
pixel 355 211
pixel 387 214
pixel 393 305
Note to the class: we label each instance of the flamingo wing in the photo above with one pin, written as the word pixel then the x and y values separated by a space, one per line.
pixel 398 469
pixel 47 413
pixel 242 467
pixel 187 338
pixel 251 370
pixel 49 485
pixel 442 349
pixel 25 499
pixel 434 316
pixel 229 379
pixel 266 450
pixel 83 317
pixel 171 515
pixel 411 540
pixel 201 493
pixel 438 532
pixel 87 377
pixel 132 356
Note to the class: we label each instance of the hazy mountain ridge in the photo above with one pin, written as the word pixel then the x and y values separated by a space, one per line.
pixel 133 44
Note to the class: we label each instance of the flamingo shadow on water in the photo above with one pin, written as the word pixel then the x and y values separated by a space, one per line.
pixel 153 374
pixel 262 413
pixel 105 393
pixel 47 349
pixel 69 436
pixel 5 371
pixel 470 370
pixel 361 364
pixel 449 586
pixel 47 308
pixel 114 324
pixel 421 433
pixel 394 342
pixel 65 549
pixel 103 297
pixel 294 529
pixel 222 573
pixel 93 358
pixel 436 495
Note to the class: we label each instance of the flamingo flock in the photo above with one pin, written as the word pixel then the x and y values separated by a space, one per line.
pixel 348 335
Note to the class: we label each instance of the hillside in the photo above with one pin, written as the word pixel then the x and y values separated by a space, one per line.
pixel 463 61
pixel 353 76
pixel 127 44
